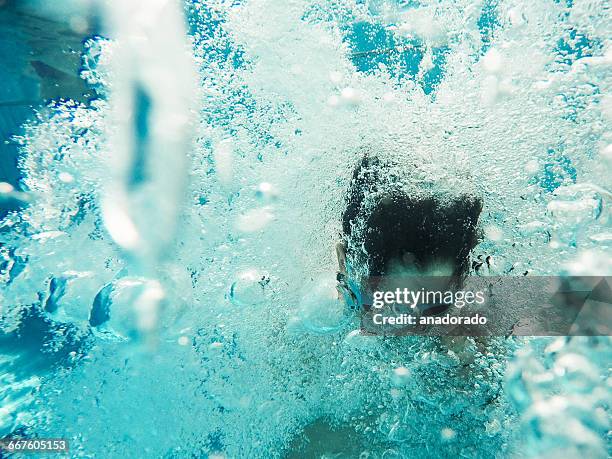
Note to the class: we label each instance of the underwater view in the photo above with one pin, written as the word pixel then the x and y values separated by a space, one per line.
pixel 208 209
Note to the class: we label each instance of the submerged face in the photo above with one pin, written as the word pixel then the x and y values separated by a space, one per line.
pixel 391 235
pixel 423 235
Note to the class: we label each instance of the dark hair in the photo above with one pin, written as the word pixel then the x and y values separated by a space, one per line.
pixel 383 220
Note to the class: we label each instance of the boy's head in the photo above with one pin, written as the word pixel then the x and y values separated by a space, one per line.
pixel 390 229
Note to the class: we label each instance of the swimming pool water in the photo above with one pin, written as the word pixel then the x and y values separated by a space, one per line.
pixel 164 292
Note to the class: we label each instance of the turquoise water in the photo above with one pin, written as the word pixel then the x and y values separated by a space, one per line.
pixel 164 290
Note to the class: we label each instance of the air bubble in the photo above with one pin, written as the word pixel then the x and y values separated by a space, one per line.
pixel 447 434
pixel 6 187
pixel 320 310
pixel 65 177
pixel 494 233
pixel 128 307
pixel 400 376
pixel 356 339
pixel 249 289
pixel 350 96
pixel 572 212
pixel 492 61
pixel 532 166
pixel 266 192
pixel 400 433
